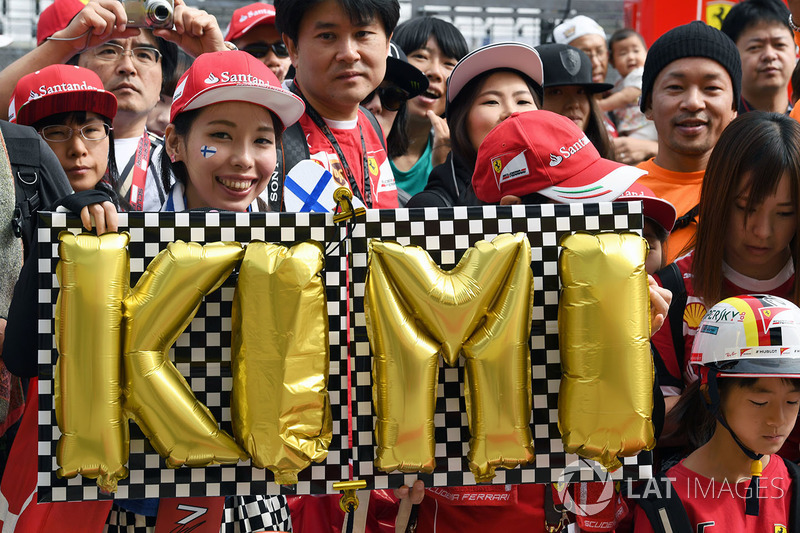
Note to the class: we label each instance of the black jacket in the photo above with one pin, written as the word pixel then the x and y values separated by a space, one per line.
pixel 449 184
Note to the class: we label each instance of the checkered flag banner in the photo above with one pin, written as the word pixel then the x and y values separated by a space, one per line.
pixel 202 353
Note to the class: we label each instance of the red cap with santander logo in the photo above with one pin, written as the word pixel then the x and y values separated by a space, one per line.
pixel 59 89
pixel 542 152
pixel 234 76
pixel 248 17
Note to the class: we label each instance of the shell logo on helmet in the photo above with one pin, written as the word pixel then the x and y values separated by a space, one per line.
pixel 693 314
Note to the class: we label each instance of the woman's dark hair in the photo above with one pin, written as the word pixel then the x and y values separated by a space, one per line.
pixel 182 63
pixel 414 34
pixel 169 60
pixel 289 13
pixel 692 414
pixel 458 111
pixel 111 176
pixel 183 124
pixel 397 139
pixel 759 147
pixel 596 131
pixel 621 35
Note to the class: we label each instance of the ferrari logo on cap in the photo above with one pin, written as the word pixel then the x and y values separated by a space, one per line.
pixel 510 166
pixel 780 528
pixel 571 60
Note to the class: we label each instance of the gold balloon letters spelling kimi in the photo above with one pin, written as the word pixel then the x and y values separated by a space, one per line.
pixel 481 309
pixel 113 343
pixel 279 359
pixel 605 401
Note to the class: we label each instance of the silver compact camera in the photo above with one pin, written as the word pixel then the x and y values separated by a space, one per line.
pixel 148 13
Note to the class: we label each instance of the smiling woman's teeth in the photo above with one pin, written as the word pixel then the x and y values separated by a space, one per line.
pixel 235 184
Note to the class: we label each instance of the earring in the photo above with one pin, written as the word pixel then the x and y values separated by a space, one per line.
pixel 173 157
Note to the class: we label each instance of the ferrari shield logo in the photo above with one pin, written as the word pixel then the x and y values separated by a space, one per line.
pixel 571 61
pixel 498 165
pixel 780 529
pixel 716 10
pixel 373 166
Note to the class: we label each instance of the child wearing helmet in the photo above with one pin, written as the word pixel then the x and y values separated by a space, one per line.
pixel 738 414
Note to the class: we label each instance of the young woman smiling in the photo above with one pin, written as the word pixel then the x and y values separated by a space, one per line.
pixel 221 140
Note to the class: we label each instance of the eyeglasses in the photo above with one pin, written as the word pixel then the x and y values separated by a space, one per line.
pixel 391 97
pixel 260 50
pixel 143 55
pixel 90 132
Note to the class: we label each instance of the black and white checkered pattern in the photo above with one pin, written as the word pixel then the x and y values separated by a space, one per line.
pixel 202 353
pixel 446 234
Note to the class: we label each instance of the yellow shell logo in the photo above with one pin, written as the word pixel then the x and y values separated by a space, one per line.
pixel 497 164
pixel 693 314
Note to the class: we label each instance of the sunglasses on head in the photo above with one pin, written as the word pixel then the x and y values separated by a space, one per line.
pixel 260 50
pixel 391 97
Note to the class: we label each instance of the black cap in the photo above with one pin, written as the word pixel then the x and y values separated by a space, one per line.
pixel 403 74
pixel 566 65
pixel 696 39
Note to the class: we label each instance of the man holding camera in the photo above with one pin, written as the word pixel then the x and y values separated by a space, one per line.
pixel 131 62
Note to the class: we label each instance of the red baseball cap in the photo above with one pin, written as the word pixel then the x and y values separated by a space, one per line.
pixel 234 76
pixel 59 89
pixel 56 17
pixel 542 152
pixel 654 207
pixel 246 18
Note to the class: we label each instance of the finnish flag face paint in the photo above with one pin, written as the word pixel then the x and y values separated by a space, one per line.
pixel 208 151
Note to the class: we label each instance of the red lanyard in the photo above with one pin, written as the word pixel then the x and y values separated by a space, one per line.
pixel 136 178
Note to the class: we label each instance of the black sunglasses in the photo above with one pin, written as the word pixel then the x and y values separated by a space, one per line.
pixel 391 97
pixel 261 50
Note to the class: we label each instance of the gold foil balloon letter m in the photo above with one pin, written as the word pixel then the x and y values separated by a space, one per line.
pixel 482 310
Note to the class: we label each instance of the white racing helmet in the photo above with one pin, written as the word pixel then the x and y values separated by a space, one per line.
pixel 749 336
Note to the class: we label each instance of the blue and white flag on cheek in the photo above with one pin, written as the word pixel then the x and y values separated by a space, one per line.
pixel 309 188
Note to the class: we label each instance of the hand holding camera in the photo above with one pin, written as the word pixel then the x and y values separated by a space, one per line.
pixel 195 30
pixel 148 13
